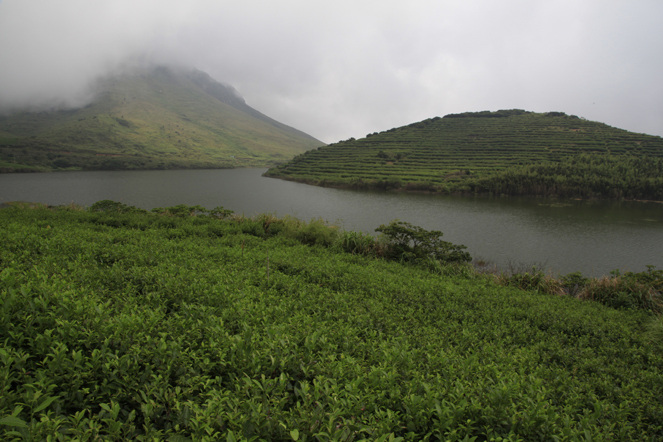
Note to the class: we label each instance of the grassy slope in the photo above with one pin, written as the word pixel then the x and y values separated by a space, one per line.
pixel 126 325
pixel 162 118
pixel 445 153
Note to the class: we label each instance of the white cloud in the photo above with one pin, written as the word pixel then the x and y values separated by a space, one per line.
pixel 349 68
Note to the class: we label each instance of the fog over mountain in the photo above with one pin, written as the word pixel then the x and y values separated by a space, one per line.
pixel 347 68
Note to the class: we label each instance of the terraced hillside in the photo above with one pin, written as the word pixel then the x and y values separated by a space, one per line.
pixel 159 118
pixel 460 152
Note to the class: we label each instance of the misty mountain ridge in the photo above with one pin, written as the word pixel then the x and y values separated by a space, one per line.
pixel 150 118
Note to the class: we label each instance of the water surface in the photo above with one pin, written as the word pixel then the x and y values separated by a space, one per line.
pixel 564 235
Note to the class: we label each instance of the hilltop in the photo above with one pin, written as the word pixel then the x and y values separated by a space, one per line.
pixel 150 119
pixel 507 152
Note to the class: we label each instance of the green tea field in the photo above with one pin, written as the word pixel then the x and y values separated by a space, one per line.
pixel 510 152
pixel 117 324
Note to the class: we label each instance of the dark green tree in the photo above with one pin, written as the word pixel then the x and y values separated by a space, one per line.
pixel 411 243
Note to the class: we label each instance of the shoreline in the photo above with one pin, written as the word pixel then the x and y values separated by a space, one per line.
pixel 401 189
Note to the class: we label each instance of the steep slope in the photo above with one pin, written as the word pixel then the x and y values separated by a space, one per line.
pixel 482 152
pixel 157 118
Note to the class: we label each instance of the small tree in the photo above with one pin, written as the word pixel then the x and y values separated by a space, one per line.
pixel 410 243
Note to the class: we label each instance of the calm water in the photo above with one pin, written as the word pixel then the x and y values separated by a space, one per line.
pixel 566 236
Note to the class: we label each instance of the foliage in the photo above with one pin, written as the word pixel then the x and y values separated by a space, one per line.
pixel 123 122
pixel 508 152
pixel 499 114
pixel 410 243
pixel 359 243
pixel 184 211
pixel 316 231
pixel 531 280
pixel 585 176
pixel 219 212
pixel 180 211
pixel 632 290
pixel 160 119
pixel 641 290
pixel 573 283
pixel 655 333
pixel 109 206
pixel 137 326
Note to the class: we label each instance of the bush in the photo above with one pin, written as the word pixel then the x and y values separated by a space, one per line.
pixel 624 292
pixel 315 232
pixel 270 223
pixel 655 333
pixel 532 280
pixel 358 243
pixel 640 291
pixel 180 211
pixel 406 242
pixel 573 283
pixel 220 213
pixel 123 122
pixel 253 228
pixel 109 206
pixel 62 163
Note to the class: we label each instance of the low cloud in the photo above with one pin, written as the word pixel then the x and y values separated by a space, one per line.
pixel 345 69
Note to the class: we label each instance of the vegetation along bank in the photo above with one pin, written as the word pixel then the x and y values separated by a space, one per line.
pixel 193 324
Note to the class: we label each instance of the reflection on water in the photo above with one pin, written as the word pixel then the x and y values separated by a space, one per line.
pixel 567 235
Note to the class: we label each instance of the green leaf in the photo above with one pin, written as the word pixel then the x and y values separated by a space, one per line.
pixel 13 422
pixel 45 404
pixel 294 434
pixel 178 438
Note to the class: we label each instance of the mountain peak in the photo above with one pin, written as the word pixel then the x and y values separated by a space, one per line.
pixel 158 117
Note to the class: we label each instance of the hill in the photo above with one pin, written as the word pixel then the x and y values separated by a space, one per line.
pixel 122 325
pixel 153 119
pixel 512 152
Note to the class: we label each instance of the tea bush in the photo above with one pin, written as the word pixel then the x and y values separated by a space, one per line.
pixel 147 330
pixel 526 153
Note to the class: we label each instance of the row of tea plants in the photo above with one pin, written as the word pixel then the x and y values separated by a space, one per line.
pixel 188 324
pixel 510 152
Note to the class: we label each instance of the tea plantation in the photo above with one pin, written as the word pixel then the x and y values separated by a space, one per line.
pixel 507 152
pixel 126 325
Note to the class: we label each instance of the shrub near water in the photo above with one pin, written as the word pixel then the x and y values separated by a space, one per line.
pixel 631 290
pixel 628 291
pixel 411 243
pixel 131 328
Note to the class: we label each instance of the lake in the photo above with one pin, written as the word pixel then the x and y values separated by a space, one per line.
pixel 593 237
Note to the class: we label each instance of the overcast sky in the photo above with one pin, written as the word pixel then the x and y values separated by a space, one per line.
pixel 350 67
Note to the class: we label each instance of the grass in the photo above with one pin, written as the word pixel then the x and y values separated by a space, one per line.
pixel 160 119
pixel 119 324
pixel 642 290
pixel 504 152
